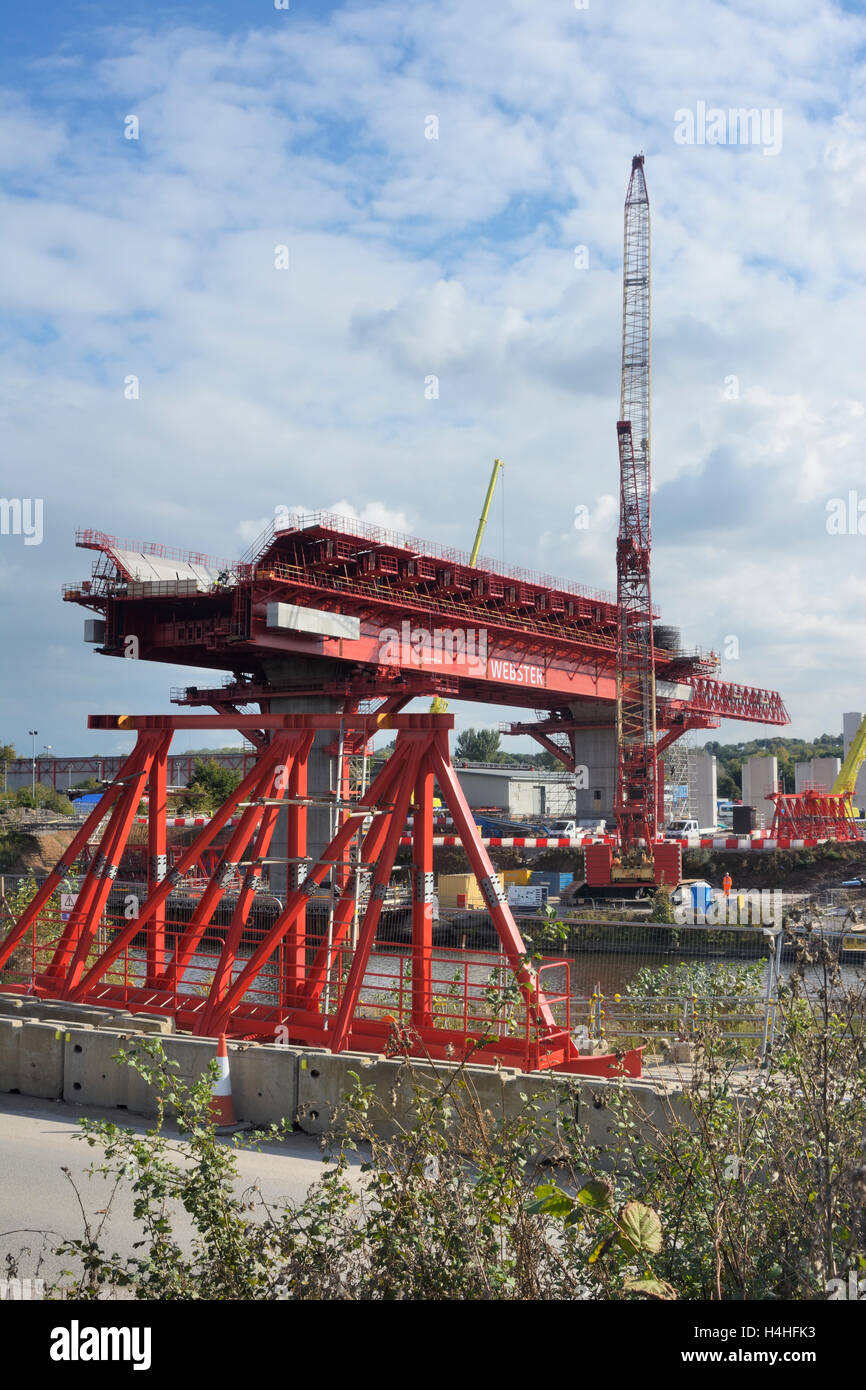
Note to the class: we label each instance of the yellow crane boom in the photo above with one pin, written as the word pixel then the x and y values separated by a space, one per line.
pixel 846 779
pixel 439 705
pixel 498 465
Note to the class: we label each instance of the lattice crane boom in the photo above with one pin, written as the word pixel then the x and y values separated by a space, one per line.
pixel 636 801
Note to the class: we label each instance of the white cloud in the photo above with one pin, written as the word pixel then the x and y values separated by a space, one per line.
pixel 455 257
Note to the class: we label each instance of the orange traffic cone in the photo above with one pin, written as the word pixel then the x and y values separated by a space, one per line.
pixel 221 1107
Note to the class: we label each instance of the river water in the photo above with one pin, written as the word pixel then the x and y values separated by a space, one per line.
pixel 459 974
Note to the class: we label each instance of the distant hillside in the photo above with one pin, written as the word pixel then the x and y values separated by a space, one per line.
pixel 788 751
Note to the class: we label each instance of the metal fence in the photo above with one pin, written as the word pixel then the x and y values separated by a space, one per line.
pixel 614 983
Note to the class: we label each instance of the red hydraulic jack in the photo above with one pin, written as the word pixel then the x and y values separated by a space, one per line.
pixel 291 980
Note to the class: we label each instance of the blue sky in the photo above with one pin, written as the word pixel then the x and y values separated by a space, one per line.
pixel 452 256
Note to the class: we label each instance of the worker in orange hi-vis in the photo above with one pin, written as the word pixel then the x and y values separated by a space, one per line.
pixel 727 884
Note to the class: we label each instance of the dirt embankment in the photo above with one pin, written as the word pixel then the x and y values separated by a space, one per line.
pixel 25 852
pixel 804 870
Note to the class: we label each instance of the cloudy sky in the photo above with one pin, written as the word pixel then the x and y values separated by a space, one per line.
pixel 488 257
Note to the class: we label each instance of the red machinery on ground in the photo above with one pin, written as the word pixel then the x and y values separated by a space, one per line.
pixel 814 813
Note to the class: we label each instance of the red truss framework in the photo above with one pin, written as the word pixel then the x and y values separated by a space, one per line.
pixel 814 814
pixel 303 985
pixel 636 801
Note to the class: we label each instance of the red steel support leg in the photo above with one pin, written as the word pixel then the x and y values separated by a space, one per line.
pixel 422 900
pixel 378 889
pixel 344 911
pixel 67 861
pixel 278 754
pixel 295 955
pixel 512 942
pixel 85 917
pixel 157 863
pixel 131 798
pixel 296 900
pixel 223 972
pixel 79 918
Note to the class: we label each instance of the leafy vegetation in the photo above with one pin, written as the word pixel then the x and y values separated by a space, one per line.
pixel 749 1184
pixel 14 843
pixel 662 908
pixel 484 746
pixel 211 784
pixel 44 798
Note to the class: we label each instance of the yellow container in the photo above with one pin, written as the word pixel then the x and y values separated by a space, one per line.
pixel 521 876
pixel 460 890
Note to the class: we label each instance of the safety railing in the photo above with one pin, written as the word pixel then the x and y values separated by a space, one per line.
pixel 399 541
pixel 466 991
pixel 686 1018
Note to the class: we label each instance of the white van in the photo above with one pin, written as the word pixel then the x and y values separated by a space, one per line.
pixel 683 829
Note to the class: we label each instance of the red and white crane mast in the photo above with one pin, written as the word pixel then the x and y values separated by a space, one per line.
pixel 636 804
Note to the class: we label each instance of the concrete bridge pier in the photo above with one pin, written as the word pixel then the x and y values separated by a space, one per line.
pixel 321 765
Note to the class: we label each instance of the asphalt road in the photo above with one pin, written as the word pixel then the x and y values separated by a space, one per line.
pixel 38 1203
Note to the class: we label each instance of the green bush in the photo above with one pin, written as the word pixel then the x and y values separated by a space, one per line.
pixel 750 1185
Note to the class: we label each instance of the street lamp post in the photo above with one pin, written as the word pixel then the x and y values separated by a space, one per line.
pixel 33 733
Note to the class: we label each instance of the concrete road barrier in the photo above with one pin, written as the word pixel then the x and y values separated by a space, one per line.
pixel 323 1081
pixel 91 1076
pixel 265 1082
pixel 10 1052
pixel 31 1058
pixel 12 1005
pixel 72 1055
pixel 542 1099
pixel 62 1010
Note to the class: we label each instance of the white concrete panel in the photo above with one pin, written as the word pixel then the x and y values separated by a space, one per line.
pixel 760 777
pixel 157 569
pixel 296 619
pixel 703 787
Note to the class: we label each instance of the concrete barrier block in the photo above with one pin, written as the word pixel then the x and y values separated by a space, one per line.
pixel 10 1053
pixel 143 1023
pixel 193 1057
pixel 396 1085
pixel 94 1078
pixel 64 1011
pixel 652 1110
pixel 40 1069
pixel 98 1015
pixel 75 1015
pixel 323 1082
pixel 13 1005
pixel 264 1082
pixel 31 1058
pixel 542 1098
pixel 91 1076
pixel 489 1088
